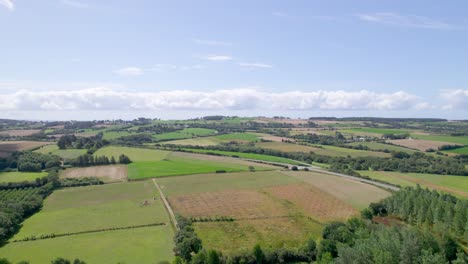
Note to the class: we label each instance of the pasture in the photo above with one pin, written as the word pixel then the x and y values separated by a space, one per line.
pixel 199 141
pixel 135 154
pixel 419 144
pixel 252 156
pixel 444 138
pixel 376 146
pixel 18 176
pixel 19 132
pixel 240 137
pixel 463 150
pixel 457 185
pixel 63 153
pixel 108 173
pixel 10 146
pixel 94 210
pixel 185 133
pixel 380 131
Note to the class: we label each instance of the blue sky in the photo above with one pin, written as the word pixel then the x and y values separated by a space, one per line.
pixel 84 59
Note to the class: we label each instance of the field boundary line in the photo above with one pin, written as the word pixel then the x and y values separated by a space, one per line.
pixel 50 236
pixel 167 206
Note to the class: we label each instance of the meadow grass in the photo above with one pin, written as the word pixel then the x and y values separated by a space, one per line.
pixel 63 153
pixel 18 176
pixel 135 154
pixel 444 138
pixel 200 141
pixel 379 130
pixel 457 185
pixel 179 166
pixel 248 156
pixel 381 146
pixel 239 136
pixel 200 183
pixel 139 245
pixel 109 135
pixel 185 133
pixel 463 150
pixel 96 207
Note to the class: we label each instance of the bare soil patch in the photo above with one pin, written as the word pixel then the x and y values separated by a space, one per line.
pixel 109 172
pixel 315 202
pixel 10 146
pixel 244 204
pixel 20 133
pixel 419 144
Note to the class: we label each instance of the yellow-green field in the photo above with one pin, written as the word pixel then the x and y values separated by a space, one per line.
pixel 20 176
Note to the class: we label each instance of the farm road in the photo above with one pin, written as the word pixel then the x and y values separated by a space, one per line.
pixel 166 204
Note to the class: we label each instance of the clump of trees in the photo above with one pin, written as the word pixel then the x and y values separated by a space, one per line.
pixel 91 160
pixel 34 162
pixel 90 143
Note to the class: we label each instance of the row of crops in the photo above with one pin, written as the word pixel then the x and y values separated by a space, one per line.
pixel 17 195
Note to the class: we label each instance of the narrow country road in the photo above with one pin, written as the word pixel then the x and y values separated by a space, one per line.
pixel 166 204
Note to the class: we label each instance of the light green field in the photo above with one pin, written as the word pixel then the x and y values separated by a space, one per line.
pixel 20 176
pixel 379 130
pixel 353 152
pixel 452 139
pixel 457 185
pixel 63 153
pixel 109 135
pixel 180 166
pixel 239 136
pixel 200 141
pixel 185 133
pixel 135 154
pixel 200 183
pixel 381 146
pixel 248 156
pixel 139 245
pixel 95 207
pixel 463 150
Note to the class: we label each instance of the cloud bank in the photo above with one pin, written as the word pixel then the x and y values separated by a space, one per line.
pixel 400 20
pixel 103 98
pixel 456 99
pixel 8 4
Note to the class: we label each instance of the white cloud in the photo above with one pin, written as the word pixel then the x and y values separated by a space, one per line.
pixel 217 58
pixel 130 71
pixel 103 98
pixel 8 4
pixel 210 42
pixel 75 3
pixel 171 67
pixel 455 99
pixel 255 65
pixel 400 20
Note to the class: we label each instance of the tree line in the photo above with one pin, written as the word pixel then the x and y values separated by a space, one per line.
pixel 91 160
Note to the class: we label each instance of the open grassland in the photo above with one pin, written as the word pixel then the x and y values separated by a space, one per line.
pixel 201 183
pixel 174 165
pixel 382 146
pixel 109 135
pixel 199 141
pixel 108 173
pixel 457 185
pixel 357 194
pixel 10 146
pixel 419 144
pixel 222 159
pixel 463 150
pixel 19 132
pixel 252 156
pixel 380 131
pixel 135 154
pixel 63 153
pixel 354 153
pixel 185 133
pixel 269 233
pixel 139 245
pixel 242 137
pixel 443 138
pixel 20 176
pixel 96 207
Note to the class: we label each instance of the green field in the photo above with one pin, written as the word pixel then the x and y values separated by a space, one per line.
pixel 63 153
pixel 452 139
pixel 185 133
pixel 216 182
pixel 94 208
pixel 199 141
pixel 382 146
pixel 351 152
pixel 20 176
pixel 239 136
pixel 248 156
pixel 379 130
pixel 135 154
pixel 109 135
pixel 139 245
pixel 463 150
pixel 457 185
pixel 180 166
